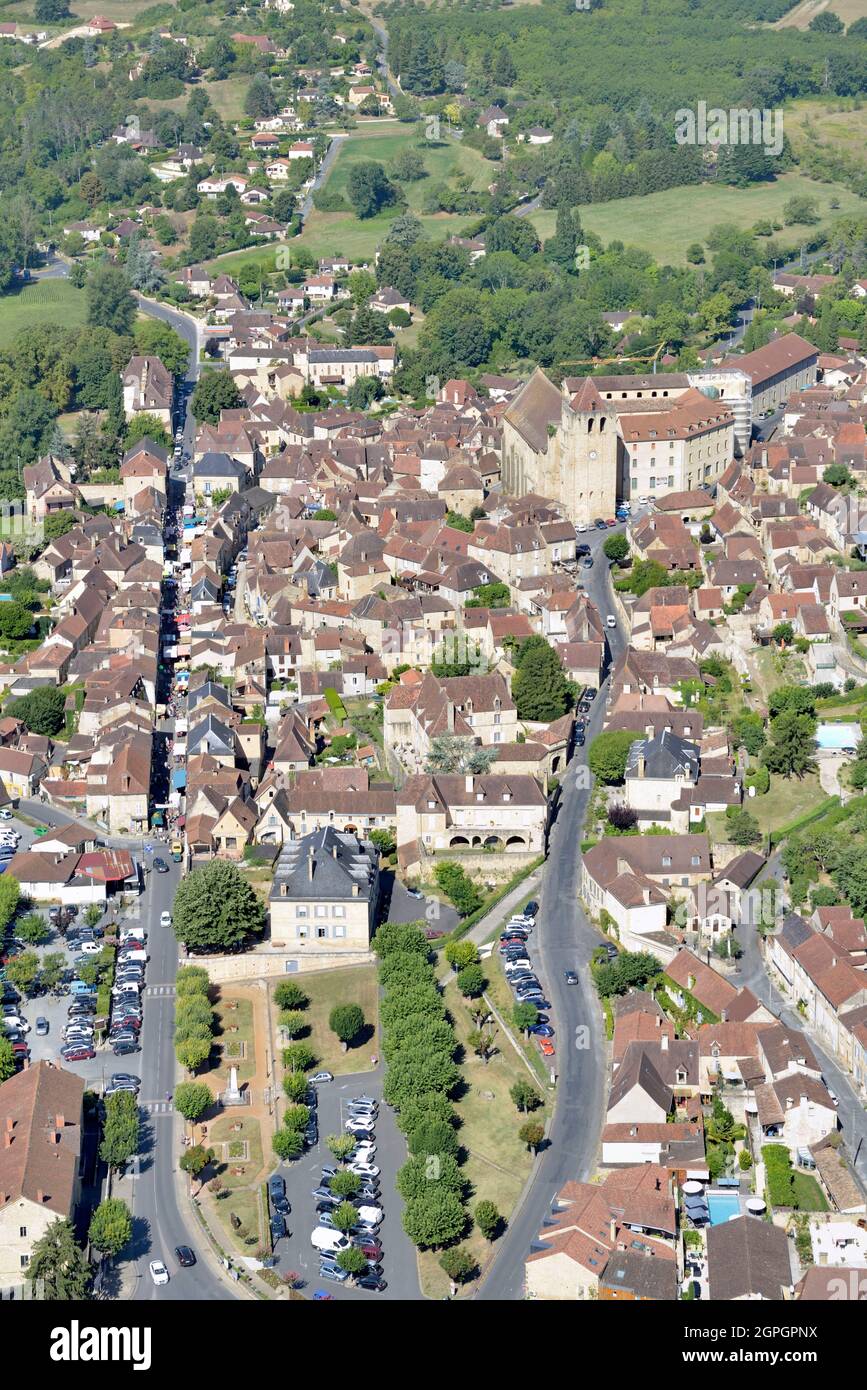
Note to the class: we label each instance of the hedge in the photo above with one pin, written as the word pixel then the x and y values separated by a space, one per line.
pixel 777 836
pixel 334 703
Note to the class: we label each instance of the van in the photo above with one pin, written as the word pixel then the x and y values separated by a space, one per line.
pixel 323 1239
pixel 133 934
pixel 133 954
pixel 78 987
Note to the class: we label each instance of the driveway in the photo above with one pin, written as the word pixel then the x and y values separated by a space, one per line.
pixel 295 1252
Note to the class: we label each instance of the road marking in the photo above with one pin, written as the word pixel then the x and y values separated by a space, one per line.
pixel 158 1107
pixel 160 990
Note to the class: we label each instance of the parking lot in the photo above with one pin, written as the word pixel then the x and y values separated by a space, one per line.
pixel 54 1007
pixel 302 1175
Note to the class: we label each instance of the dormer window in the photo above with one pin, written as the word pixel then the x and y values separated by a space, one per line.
pixel 680 1076
pixel 695 861
pixel 480 796
pixel 666 861
pixel 431 805
pixel 507 796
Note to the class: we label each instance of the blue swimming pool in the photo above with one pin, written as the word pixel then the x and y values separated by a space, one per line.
pixel 835 736
pixel 722 1207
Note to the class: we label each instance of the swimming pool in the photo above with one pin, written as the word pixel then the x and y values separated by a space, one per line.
pixel 722 1207
pixel 838 735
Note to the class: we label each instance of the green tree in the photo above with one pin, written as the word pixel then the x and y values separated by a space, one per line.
pixel 741 827
pixel 531 1134
pixel 288 1143
pixel 109 302
pixel 524 1016
pixel 195 1160
pixel 153 338
pixel 193 1052
pixel 369 189
pixel 749 729
pixel 192 1099
pixel 10 896
pixel 434 1218
pixel 460 954
pixel 299 1057
pixel 7 1060
pixel 398 937
pixel 293 1022
pixel 539 687
pixel 340 1145
pixel 120 1130
pixel 216 908
pixel 23 971
pixel 608 755
pixel 353 1260
pixel 471 981
pixel 458 887
pixel 790 752
pixel 110 1227
pixel 826 23
pixel 488 1220
pixel 58 1267
pixel 42 711
pixel 783 634
pixel 32 928
pixel 615 548
pixel 433 1137
pixel 458 1264
pixel 289 995
pixel 346 1021
pixel 525 1095
pixel 414 1178
pixel 345 1184
pixel 215 391
pixel 16 621
pixel 345 1217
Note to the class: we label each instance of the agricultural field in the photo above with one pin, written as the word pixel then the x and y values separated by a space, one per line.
pixel 41 302
pixel 664 224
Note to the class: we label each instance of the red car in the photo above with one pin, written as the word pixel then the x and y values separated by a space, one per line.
pixel 81 1053
pixel 611 521
pixel 546 1047
pixel 21 1049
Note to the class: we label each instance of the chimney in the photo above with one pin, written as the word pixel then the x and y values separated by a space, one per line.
pixel 450 716
pixel 334 850
pixel 8 1140
pixel 612 1231
pixel 59 1121
pixel 659 1020
pixel 468 782
pixel 10 1123
pixel 789 1102
pixel 40 1196
pixel 724 1016
pixel 663 1042
pixel 310 867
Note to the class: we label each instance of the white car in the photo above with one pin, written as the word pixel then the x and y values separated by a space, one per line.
pixel 580 527
pixel 91 948
pixel 5 814
pixel 373 1215
pixel 159 1273
pixel 364 1170
pixel 611 621
pixel 165 919
pixel 363 1152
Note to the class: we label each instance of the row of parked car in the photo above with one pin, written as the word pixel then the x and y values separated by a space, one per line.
pixel 126 1006
pixel 518 968
pixel 360 1122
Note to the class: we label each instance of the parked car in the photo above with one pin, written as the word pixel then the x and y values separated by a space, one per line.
pixel 320 1077
pixel 278 1225
pixel 334 1272
pixel 125 1047
pixel 372 1282
pixel 277 1193
pixel 77 1052
pixel 547 1048
pixel 42 1026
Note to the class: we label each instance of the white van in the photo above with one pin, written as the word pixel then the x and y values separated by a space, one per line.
pixel 132 954
pixel 324 1239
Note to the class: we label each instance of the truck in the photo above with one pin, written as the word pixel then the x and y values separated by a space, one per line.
pixel 177 851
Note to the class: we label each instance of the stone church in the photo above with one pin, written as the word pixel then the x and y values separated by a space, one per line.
pixel 562 445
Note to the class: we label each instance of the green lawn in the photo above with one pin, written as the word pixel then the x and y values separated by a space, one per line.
pixel 665 224
pixel 235 1026
pixel 240 1179
pixel 41 302
pixel 786 800
pixel 354 985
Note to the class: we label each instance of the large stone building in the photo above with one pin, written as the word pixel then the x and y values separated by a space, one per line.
pixel 563 445
pixel 325 896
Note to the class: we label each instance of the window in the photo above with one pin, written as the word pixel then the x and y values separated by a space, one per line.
pixel 338 910
pixel 320 912
pixel 22 1232
pixel 301 912
pixel 339 931
pixel 695 861
pixel 666 861
pixel 321 933
pixel 25 1260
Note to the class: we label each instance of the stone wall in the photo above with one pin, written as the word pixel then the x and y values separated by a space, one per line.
pixel 261 965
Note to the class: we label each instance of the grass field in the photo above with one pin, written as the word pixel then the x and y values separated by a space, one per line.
pixel 666 223
pixel 41 302
pixel 333 233
pixel 785 801
pixel 837 123
pixel 355 985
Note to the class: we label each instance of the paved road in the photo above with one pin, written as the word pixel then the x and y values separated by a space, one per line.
pixel 566 940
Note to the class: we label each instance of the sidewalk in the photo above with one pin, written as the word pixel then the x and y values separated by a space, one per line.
pixel 504 908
